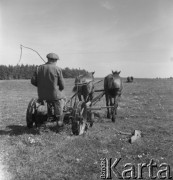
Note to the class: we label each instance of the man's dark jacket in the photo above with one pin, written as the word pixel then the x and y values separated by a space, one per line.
pixel 49 81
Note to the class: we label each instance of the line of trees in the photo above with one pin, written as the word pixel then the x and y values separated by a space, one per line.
pixel 26 72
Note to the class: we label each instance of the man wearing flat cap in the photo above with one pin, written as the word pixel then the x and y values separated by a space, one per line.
pixel 49 81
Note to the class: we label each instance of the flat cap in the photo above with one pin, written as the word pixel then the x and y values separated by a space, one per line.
pixel 52 56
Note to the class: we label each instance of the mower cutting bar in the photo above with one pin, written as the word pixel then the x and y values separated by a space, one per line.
pixel 99 108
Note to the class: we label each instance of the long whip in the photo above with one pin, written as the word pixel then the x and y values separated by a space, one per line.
pixel 21 46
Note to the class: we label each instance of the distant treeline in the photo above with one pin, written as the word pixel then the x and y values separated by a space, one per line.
pixel 26 72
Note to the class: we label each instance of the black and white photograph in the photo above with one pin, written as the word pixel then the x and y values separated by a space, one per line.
pixel 86 89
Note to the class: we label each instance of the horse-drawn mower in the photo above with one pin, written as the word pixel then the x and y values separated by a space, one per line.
pixel 79 113
pixel 39 112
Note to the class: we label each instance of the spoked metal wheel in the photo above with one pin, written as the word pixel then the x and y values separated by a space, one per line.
pixel 30 113
pixel 79 118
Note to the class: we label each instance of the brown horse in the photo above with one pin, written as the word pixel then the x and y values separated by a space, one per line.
pixel 84 85
pixel 113 88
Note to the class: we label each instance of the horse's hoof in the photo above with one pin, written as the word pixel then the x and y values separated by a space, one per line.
pixel 113 119
pixel 108 116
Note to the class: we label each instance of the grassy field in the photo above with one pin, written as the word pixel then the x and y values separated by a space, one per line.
pixel 146 105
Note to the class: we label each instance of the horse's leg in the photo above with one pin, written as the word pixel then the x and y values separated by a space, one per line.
pixel 90 97
pixel 79 96
pixel 107 104
pixel 92 93
pixel 116 103
pixel 113 110
pixel 84 93
pixel 85 97
pixel 111 101
pixel 111 104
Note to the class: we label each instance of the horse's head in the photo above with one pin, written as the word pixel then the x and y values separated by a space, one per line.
pixel 91 74
pixel 116 73
pixel 86 78
pixel 83 80
pixel 114 81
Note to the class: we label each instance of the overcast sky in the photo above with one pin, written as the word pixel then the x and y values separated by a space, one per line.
pixel 134 36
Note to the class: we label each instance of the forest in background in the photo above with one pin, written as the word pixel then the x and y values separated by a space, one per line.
pixel 26 72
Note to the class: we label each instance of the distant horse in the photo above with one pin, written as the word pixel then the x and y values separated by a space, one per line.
pixel 113 88
pixel 130 79
pixel 84 85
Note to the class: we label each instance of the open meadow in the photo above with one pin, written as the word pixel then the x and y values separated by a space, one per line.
pixel 145 105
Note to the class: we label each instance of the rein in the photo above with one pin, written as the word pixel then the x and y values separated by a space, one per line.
pixel 86 83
